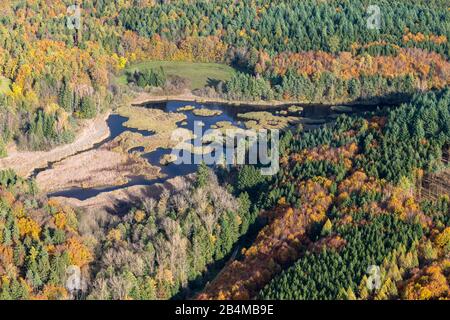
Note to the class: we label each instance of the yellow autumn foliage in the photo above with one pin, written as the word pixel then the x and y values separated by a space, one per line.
pixel 443 239
pixel 60 220
pixel 139 215
pixel 28 226
pixel 114 235
pixel 79 254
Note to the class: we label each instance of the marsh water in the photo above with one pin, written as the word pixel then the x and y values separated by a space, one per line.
pixel 311 117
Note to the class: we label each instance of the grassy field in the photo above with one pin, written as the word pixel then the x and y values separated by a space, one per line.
pixel 4 85
pixel 200 74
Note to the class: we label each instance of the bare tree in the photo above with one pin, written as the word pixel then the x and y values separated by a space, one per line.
pixel 162 203
pixel 176 247
pixel 149 205
pixel 119 287
pixel 180 203
pixel 100 290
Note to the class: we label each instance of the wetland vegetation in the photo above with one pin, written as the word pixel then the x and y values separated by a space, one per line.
pixel 141 141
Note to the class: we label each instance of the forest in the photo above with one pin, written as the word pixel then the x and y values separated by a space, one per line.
pixel 335 208
pixel 350 195
pixel 339 188
pixel 310 51
pixel 321 52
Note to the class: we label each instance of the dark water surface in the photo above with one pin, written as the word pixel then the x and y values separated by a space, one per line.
pixel 312 117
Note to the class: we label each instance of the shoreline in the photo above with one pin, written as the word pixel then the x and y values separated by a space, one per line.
pixel 122 199
pixel 147 98
pixel 24 163
pixel 96 130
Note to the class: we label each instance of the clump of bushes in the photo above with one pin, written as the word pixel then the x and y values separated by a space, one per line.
pixel 148 77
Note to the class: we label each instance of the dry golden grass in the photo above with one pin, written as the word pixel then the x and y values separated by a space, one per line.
pixel 112 164
pixel 265 120
pixel 166 140
pixel 154 120
pixel 186 108
pixel 224 125
pixel 295 109
pixel 207 112
pixel 167 158
pixel 95 168
pixel 110 200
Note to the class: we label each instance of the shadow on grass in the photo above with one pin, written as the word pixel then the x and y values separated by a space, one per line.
pixel 210 82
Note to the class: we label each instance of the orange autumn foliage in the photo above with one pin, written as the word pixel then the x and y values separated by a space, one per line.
pixel 420 37
pixel 28 226
pixel 430 283
pixel 199 49
pixel 325 153
pixel 114 235
pixel 7 197
pixel 139 216
pixel 276 245
pixel 60 220
pixel 51 292
pixel 359 181
pixel 6 256
pixel 345 65
pixel 403 202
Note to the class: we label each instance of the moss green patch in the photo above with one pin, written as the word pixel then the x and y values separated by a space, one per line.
pixel 4 85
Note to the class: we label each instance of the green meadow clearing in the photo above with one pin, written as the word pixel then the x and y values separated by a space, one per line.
pixel 4 85
pixel 200 74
